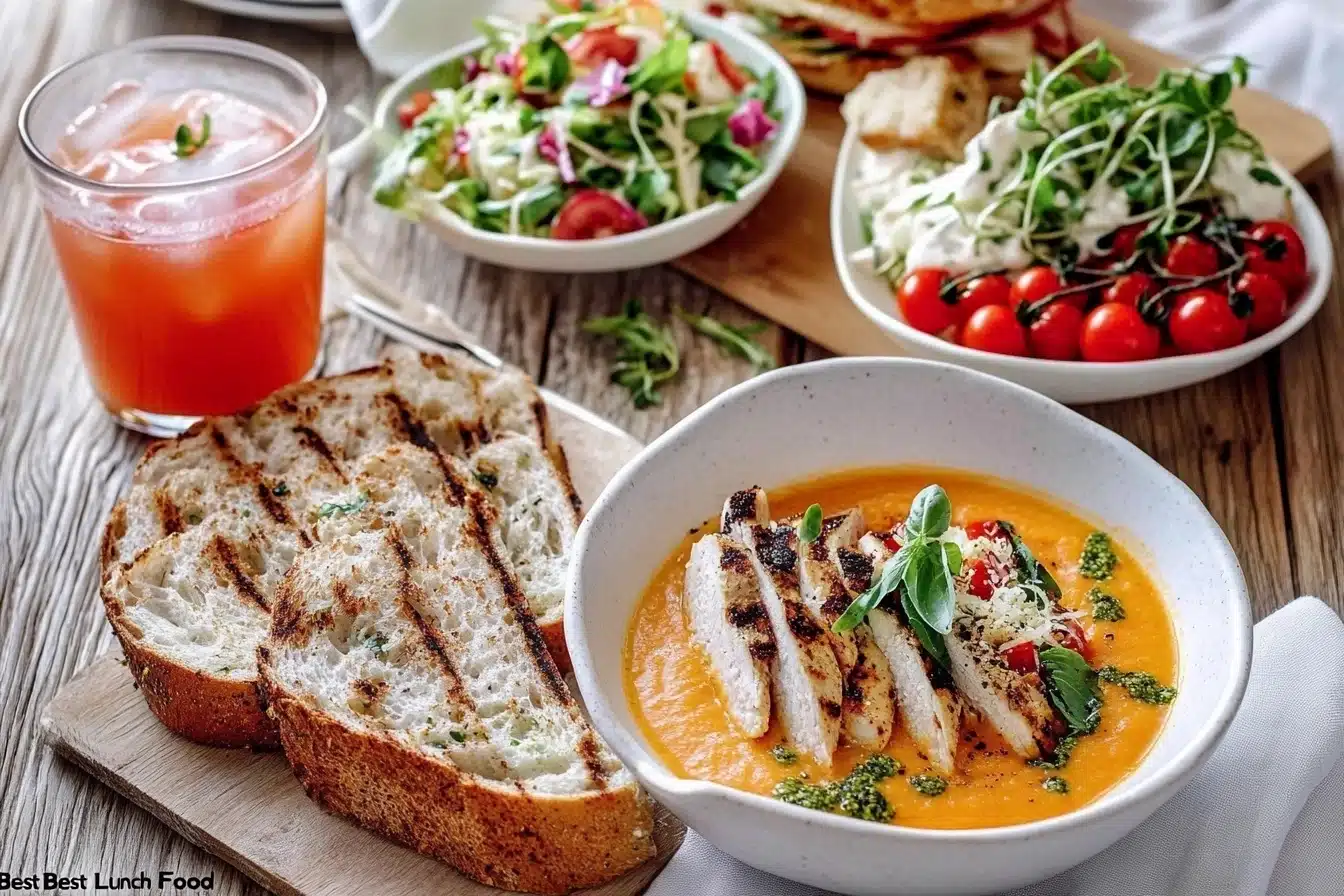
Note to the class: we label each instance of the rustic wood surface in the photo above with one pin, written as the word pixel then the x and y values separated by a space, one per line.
pixel 1263 446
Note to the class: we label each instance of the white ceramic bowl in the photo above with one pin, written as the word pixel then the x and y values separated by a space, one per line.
pixel 852 412
pixel 653 245
pixel 1074 382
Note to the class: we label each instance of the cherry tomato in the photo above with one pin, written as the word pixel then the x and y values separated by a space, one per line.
pixel 1129 289
pixel 1034 284
pixel 984 529
pixel 1276 249
pixel 592 48
pixel 1124 242
pixel 1022 658
pixel 892 544
pixel 1190 256
pixel 1054 335
pixel 977 579
pixel 1074 638
pixel 922 301
pixel 413 108
pixel 592 214
pixel 1115 332
pixel 991 289
pixel 995 328
pixel 736 78
pixel 1203 321
pixel 1269 301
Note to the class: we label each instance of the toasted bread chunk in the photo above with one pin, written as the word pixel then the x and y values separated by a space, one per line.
pixel 729 622
pixel 930 713
pixel 192 555
pixel 414 694
pixel 807 687
pixel 868 698
pixel 932 104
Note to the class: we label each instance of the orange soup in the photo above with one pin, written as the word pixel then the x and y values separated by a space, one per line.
pixel 677 701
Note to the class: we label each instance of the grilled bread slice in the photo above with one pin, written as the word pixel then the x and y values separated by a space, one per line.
pixel 414 694
pixel 933 104
pixel 930 712
pixel 807 687
pixel 193 554
pixel 730 623
pixel 868 697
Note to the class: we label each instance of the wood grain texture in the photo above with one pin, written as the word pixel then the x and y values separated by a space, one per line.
pixel 1264 447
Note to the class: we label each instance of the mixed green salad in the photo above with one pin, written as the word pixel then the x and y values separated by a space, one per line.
pixel 601 119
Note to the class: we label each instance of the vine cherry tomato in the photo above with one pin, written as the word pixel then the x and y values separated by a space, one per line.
pixel 1128 289
pixel 991 289
pixel 1269 301
pixel 922 302
pixel 1034 284
pixel 1073 637
pixel 1022 658
pixel 1202 320
pixel 413 108
pixel 977 579
pixel 591 214
pixel 995 328
pixel 1276 249
pixel 736 78
pixel 592 48
pixel 1054 335
pixel 1124 242
pixel 1115 332
pixel 1190 256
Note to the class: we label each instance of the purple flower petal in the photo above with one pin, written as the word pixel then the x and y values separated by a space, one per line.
pixel 554 148
pixel 507 63
pixel 461 142
pixel 750 126
pixel 471 69
pixel 604 85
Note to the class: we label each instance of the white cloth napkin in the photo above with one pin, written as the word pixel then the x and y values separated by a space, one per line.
pixel 1265 814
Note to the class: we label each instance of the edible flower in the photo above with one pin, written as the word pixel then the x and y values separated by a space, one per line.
pixel 603 85
pixel 471 69
pixel 750 126
pixel 507 63
pixel 462 142
pixel 554 148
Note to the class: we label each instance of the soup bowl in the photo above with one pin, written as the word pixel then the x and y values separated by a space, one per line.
pixel 799 422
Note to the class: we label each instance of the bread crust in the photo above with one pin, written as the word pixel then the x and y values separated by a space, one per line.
pixel 835 74
pixel 208 709
pixel 501 837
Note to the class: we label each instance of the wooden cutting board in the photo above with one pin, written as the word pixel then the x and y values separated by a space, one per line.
pixel 248 808
pixel 778 261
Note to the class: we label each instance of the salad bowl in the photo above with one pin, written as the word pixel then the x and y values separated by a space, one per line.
pixel 656 244
pixel 1072 382
pixel 802 421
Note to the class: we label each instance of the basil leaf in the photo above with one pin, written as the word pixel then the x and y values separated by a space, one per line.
pixel 1072 687
pixel 665 70
pixel 1266 176
pixel 1033 571
pixel 810 527
pixel 888 580
pixel 932 641
pixel 929 586
pixel 952 556
pixel 930 513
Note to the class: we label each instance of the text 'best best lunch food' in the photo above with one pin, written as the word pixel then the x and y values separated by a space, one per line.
pixel 368 570
pixel 961 655
pixel 1094 218
pixel 602 119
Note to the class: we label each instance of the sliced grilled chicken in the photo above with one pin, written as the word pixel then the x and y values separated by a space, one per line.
pixel 929 710
pixel 868 700
pixel 728 618
pixel 1012 702
pixel 807 687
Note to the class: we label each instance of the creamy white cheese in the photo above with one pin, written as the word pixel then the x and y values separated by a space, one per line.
pixel 711 87
pixel 1243 195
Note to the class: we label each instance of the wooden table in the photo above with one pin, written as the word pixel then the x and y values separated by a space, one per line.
pixel 1264 446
